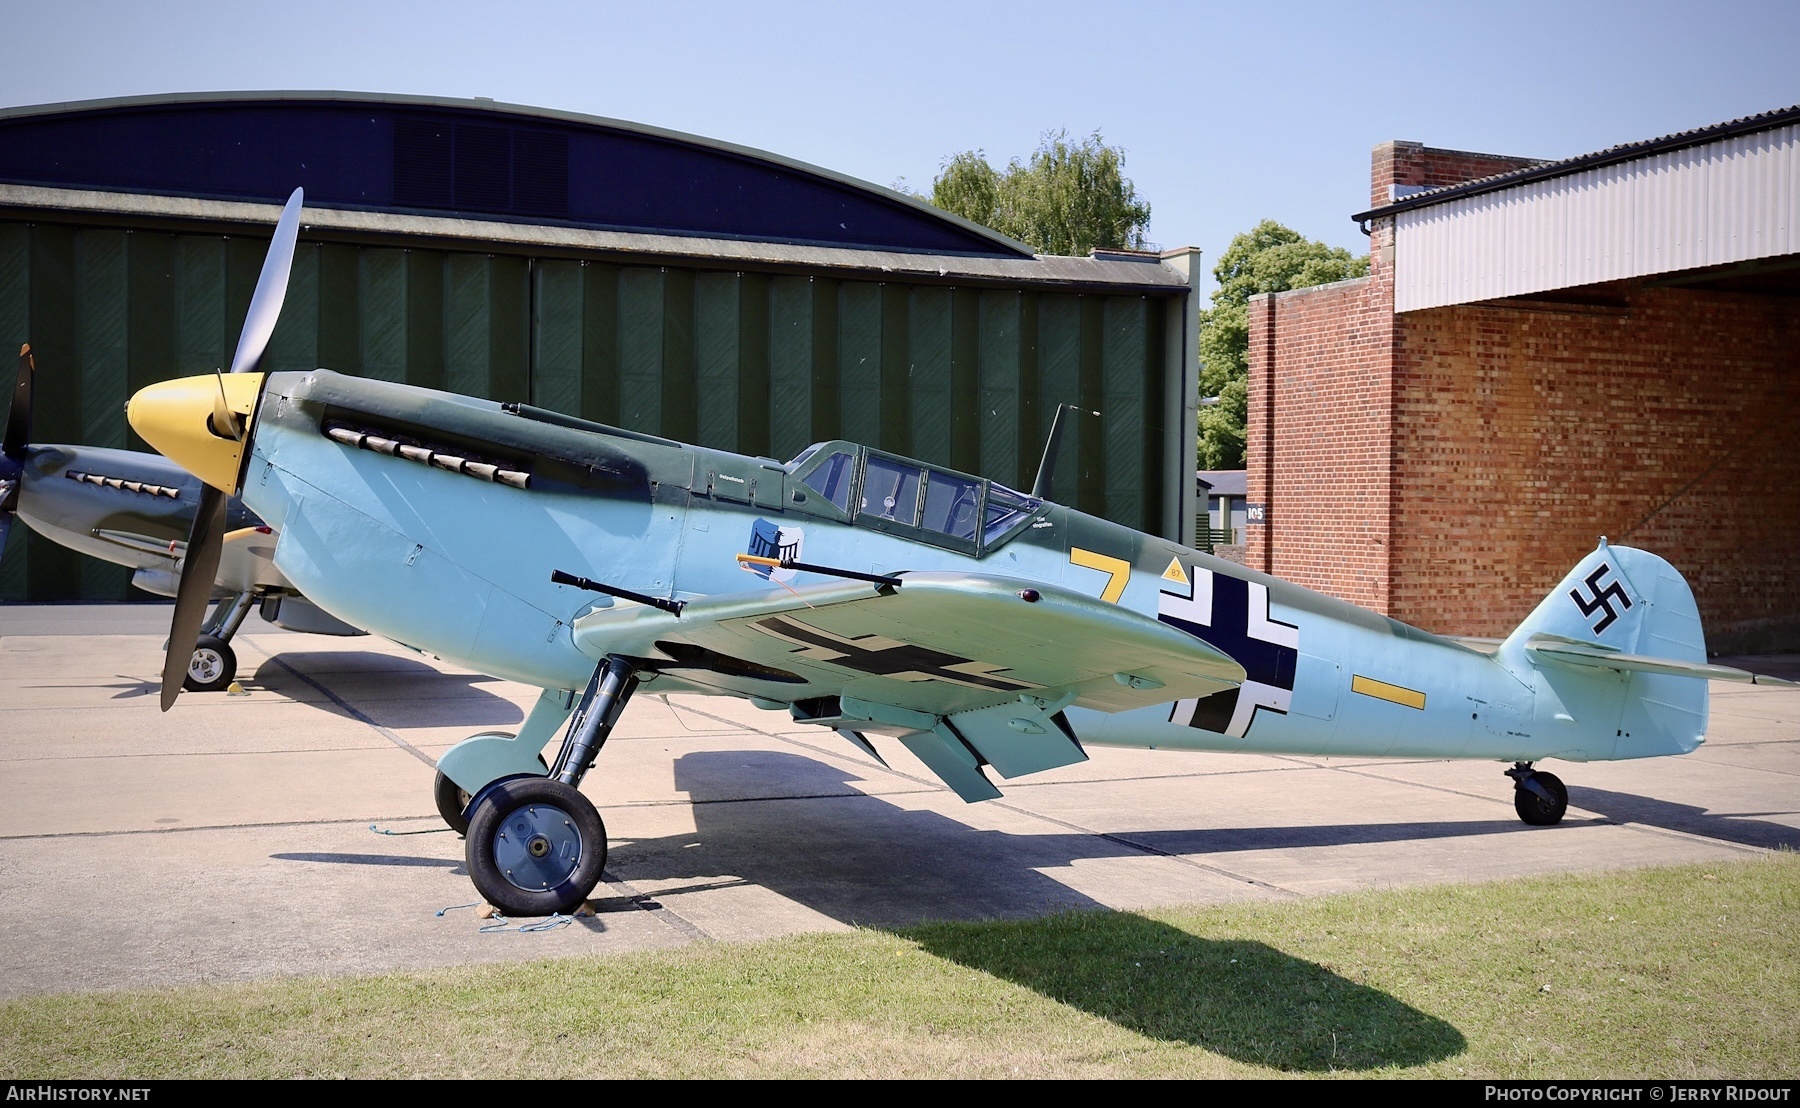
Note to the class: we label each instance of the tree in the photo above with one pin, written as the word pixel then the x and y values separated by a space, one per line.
pixel 1266 258
pixel 1068 199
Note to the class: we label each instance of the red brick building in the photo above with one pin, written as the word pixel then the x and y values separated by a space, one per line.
pixel 1544 353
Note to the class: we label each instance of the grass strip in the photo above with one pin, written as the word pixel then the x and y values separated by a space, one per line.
pixel 1678 973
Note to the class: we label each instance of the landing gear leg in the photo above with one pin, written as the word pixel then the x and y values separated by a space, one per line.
pixel 1538 797
pixel 214 664
pixel 536 845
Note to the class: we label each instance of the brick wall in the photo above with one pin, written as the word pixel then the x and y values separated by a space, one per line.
pixel 1414 163
pixel 1448 466
pixel 1659 417
pixel 1320 433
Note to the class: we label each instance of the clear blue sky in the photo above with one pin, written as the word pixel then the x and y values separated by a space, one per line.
pixel 1228 113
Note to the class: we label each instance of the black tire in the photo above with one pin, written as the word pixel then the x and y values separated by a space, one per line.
pixel 453 801
pixel 213 666
pixel 535 847
pixel 1534 809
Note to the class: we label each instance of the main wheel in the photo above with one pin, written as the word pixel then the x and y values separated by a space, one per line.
pixel 453 801
pixel 535 847
pixel 1537 811
pixel 212 667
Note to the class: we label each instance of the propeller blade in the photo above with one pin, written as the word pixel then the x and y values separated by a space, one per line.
pixel 199 570
pixel 271 289
pixel 18 421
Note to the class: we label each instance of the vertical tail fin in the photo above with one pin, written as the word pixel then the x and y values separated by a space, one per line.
pixel 1623 599
pixel 1617 600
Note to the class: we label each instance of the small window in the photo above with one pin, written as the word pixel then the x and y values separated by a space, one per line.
pixel 831 478
pixel 891 490
pixel 952 504
pixel 1005 510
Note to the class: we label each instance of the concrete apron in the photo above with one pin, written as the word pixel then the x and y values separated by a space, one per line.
pixel 230 838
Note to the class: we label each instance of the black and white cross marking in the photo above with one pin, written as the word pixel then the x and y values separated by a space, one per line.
pixel 884 657
pixel 1600 598
pixel 1233 615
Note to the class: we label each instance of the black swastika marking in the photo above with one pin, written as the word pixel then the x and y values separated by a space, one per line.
pixel 1601 598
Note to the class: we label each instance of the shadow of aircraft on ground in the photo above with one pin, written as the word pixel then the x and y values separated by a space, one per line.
pixel 1240 998
pixel 869 861
pixel 447 697
pixel 1732 827
pixel 800 828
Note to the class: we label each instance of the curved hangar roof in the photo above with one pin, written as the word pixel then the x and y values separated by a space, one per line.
pixel 474 159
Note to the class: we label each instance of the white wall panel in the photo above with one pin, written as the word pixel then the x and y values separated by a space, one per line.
pixel 1731 200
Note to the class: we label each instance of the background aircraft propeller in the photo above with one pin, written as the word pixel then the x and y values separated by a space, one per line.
pixel 200 568
pixel 18 438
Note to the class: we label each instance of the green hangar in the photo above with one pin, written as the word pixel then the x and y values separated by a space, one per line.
pixel 638 277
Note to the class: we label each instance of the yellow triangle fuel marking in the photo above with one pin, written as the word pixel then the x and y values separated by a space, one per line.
pixel 1175 573
pixel 1118 571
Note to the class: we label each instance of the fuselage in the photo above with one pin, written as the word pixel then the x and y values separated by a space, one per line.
pixel 126 507
pixel 397 513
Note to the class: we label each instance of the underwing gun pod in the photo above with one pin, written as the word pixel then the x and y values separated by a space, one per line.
pixel 992 633
pixel 135 510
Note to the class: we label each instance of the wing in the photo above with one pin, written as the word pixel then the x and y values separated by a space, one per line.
pixel 967 669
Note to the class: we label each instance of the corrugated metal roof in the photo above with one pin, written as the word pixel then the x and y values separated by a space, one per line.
pixel 1612 155
pixel 1733 198
pixel 1224 482
pixel 1144 276
pixel 254 146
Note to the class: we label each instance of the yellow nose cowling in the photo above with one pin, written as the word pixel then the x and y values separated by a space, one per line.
pixel 180 418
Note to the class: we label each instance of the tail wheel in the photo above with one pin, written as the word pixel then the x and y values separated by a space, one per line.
pixel 212 667
pixel 535 846
pixel 1536 810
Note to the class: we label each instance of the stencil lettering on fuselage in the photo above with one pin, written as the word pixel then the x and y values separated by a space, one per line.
pixel 1233 615
pixel 771 540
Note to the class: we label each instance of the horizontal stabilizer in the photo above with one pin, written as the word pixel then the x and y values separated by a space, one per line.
pixel 1558 649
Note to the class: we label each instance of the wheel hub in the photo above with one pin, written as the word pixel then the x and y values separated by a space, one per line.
pixel 206 665
pixel 537 847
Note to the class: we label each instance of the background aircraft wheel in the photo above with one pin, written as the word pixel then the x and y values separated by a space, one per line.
pixel 212 667
pixel 1537 811
pixel 453 800
pixel 535 846
pixel 452 803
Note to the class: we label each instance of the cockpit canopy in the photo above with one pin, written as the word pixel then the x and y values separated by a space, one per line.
pixel 885 492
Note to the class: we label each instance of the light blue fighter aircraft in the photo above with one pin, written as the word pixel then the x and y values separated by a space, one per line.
pixel 990 632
